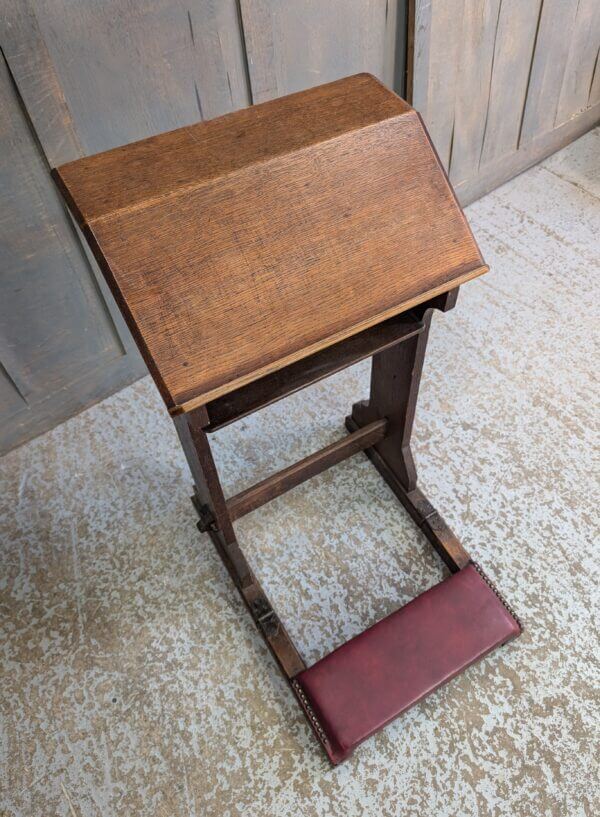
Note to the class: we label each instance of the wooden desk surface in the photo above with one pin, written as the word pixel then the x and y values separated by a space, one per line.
pixel 239 245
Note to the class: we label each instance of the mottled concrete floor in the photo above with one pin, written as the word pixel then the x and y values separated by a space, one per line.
pixel 133 680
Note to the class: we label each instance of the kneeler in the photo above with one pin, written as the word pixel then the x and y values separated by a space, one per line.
pixel 257 253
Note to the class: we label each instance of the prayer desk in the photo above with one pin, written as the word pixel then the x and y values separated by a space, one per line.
pixel 257 253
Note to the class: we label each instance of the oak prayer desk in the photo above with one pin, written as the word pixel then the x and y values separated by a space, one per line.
pixel 257 253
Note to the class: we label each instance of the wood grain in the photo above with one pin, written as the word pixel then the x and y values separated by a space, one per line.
pixel 500 82
pixel 437 52
pixel 581 62
pixel 498 171
pixel 476 62
pixel 241 245
pixel 78 78
pixel 557 20
pixel 293 46
pixel 134 68
pixel 58 345
pixel 309 370
pixel 513 53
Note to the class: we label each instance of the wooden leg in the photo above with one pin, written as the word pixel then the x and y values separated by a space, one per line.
pixel 395 380
pixel 210 503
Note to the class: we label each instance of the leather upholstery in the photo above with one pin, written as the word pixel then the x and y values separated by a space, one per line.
pixel 367 682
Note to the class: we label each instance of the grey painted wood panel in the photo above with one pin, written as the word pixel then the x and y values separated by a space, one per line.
pixel 500 83
pixel 292 46
pixel 511 164
pixel 555 28
pixel 80 78
pixel 130 69
pixel 52 332
pixel 594 96
pixel 581 62
pixel 437 53
pixel 476 59
pixel 513 52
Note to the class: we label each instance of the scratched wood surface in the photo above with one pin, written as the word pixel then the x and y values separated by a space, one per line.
pixel 502 83
pixel 238 246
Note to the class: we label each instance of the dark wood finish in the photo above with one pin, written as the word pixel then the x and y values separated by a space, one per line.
pixel 200 460
pixel 304 469
pixel 214 518
pixel 269 624
pixel 212 236
pixel 267 390
pixel 395 379
pixel 421 511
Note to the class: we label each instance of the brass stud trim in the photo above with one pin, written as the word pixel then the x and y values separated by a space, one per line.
pixel 493 587
pixel 310 712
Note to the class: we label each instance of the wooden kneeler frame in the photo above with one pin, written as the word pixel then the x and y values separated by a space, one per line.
pixel 233 310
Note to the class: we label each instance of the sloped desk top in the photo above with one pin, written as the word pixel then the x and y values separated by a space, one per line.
pixel 242 244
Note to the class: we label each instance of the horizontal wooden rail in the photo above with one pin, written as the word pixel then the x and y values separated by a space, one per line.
pixel 267 390
pixel 283 481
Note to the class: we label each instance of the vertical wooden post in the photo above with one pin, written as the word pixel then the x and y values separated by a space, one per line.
pixel 395 380
pixel 216 520
pixel 196 447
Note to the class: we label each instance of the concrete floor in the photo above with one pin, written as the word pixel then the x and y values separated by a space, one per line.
pixel 134 682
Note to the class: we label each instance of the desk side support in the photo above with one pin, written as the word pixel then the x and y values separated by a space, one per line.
pixel 381 427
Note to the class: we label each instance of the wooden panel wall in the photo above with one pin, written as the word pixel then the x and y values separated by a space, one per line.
pixel 77 78
pixel 503 83
pixel 292 46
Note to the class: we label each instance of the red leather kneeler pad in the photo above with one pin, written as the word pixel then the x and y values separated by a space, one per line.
pixel 367 682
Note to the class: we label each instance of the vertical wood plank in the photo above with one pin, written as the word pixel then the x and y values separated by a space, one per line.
pixel 594 96
pixel 53 335
pixel 581 62
pixel 392 73
pixel 437 50
pixel 292 46
pixel 500 84
pixel 34 73
pixel 552 44
pixel 260 50
pixel 513 53
pixel 134 68
pixel 420 27
pixel 479 30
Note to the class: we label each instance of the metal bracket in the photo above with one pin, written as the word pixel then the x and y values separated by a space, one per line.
pixel 264 615
pixel 206 521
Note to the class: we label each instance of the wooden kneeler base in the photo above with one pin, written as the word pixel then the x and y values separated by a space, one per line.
pixel 369 681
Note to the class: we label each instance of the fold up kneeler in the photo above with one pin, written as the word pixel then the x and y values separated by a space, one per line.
pixel 257 253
